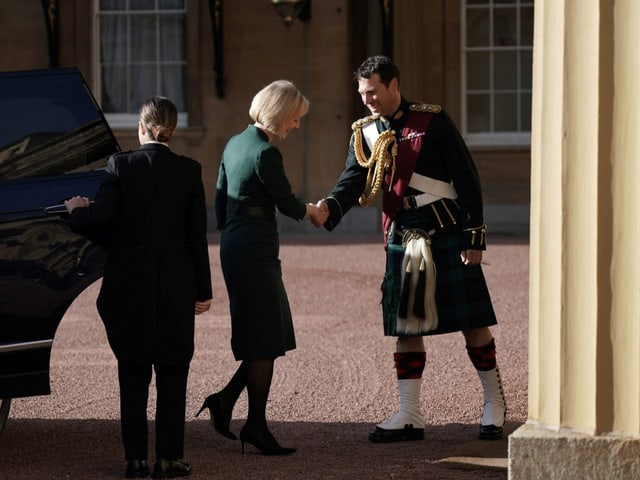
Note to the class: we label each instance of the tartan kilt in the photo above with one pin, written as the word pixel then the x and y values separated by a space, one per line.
pixel 462 296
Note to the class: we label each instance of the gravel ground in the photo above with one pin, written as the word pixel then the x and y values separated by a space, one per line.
pixel 326 395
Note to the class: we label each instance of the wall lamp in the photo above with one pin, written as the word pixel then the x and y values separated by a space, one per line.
pixel 289 10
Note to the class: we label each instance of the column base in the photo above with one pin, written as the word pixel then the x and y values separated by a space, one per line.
pixel 536 453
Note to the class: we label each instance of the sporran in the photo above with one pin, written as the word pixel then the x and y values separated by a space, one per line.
pixel 417 311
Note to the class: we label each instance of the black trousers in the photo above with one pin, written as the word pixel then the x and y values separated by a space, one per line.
pixel 171 387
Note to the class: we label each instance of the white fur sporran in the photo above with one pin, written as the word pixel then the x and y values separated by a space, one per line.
pixel 417 312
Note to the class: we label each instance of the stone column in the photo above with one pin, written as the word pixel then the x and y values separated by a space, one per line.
pixel 584 351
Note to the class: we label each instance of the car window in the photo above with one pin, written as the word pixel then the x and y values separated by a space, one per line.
pixel 50 124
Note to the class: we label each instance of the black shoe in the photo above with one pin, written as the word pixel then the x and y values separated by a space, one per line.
pixel 490 432
pixel 264 441
pixel 137 469
pixel 380 435
pixel 220 419
pixel 171 469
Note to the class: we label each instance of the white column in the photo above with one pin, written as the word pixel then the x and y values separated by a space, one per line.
pixel 584 359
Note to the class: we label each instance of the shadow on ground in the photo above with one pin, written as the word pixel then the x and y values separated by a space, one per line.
pixel 90 449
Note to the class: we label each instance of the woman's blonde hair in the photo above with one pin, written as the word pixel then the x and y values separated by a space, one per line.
pixel 159 116
pixel 277 102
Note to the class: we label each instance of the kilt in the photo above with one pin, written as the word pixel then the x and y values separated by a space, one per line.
pixel 462 296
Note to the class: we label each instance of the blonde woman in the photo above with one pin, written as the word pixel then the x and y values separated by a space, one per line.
pixel 251 185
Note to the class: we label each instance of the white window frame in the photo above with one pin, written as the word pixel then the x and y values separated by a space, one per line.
pixel 121 120
pixel 517 138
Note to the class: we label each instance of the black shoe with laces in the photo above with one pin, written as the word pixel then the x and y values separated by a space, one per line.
pixel 137 469
pixel 171 469
pixel 490 432
pixel 408 433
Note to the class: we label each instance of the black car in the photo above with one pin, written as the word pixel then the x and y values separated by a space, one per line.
pixel 54 143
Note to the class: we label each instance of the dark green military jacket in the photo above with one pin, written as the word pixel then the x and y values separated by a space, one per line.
pixel 443 156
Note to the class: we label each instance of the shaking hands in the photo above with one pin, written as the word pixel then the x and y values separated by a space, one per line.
pixel 318 213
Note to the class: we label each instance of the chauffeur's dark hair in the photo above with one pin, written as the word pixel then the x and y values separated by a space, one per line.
pixel 381 65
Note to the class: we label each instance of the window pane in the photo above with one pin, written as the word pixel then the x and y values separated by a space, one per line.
pixel 143 85
pixel 525 112
pixel 112 5
pixel 113 30
pixel 172 85
pixel 526 26
pixel 478 117
pixel 526 69
pixel 114 89
pixel 505 68
pixel 142 4
pixel 148 47
pixel 478 27
pixel 504 27
pixel 506 112
pixel 143 38
pixel 171 4
pixel 172 37
pixel 497 51
pixel 478 71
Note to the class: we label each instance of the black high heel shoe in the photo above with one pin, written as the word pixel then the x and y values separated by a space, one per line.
pixel 220 420
pixel 264 441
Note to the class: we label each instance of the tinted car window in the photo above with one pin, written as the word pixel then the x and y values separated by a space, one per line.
pixel 50 124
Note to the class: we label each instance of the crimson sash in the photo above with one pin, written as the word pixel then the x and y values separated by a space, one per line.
pixel 409 146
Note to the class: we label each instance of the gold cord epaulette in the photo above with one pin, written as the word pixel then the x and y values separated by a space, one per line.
pixel 381 158
pixel 361 122
pixel 425 108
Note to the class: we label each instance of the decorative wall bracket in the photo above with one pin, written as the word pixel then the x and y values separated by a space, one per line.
pixel 52 22
pixel 215 10
pixel 289 10
pixel 387 27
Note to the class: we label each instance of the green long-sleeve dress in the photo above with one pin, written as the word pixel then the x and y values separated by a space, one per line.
pixel 251 184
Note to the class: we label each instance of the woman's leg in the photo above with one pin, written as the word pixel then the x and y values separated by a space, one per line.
pixel 255 431
pixel 221 404
pixel 259 376
pixel 232 390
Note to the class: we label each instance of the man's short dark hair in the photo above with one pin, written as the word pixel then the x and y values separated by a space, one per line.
pixel 381 65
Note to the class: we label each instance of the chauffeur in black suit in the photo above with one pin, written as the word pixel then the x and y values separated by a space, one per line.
pixel 153 204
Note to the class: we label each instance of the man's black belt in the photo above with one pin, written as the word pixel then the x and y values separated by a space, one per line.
pixel 249 210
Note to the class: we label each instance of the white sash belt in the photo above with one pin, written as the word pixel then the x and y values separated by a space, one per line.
pixel 371 134
pixel 433 190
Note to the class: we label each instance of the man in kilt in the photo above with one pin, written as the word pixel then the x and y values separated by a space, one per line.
pixel 434 235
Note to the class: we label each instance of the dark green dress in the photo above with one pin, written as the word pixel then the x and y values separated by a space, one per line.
pixel 251 184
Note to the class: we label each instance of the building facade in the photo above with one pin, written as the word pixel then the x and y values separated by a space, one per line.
pixel 473 57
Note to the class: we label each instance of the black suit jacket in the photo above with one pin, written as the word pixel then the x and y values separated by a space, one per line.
pixel 153 204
